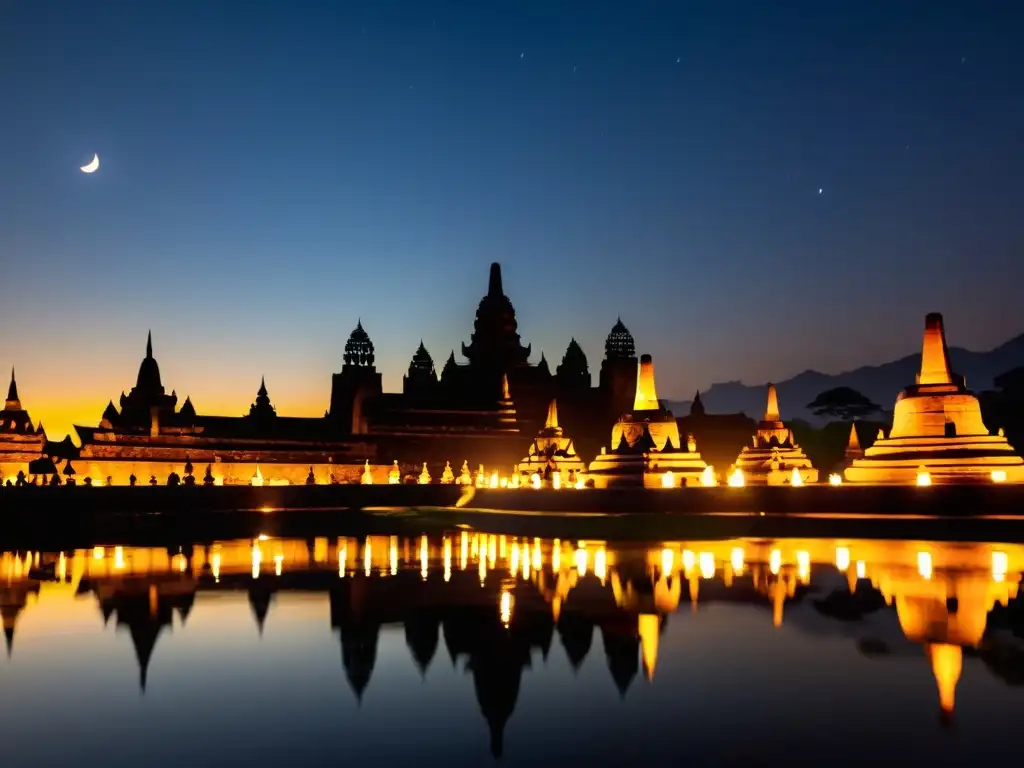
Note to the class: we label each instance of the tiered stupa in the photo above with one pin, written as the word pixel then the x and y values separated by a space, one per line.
pixel 551 450
pixel 20 441
pixel 646 444
pixel 774 454
pixel 937 425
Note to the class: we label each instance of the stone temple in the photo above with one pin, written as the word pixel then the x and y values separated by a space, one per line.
pixel 937 428
pixel 774 455
pixel 646 448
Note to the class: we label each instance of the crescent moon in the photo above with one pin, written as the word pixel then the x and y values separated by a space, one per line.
pixel 93 165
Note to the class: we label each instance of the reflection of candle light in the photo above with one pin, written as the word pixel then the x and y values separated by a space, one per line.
pixel 463 550
pixel 367 555
pixel 492 550
pixel 278 563
pixel 536 554
pixel 581 561
pixel 424 557
pixel 119 557
pixel 502 546
pixel 182 563
pixel 215 566
pixel 393 554
pixel 842 558
pixel 62 567
pixel 1000 565
pixel 601 564
pixel 668 561
pixel 861 569
pixel 482 570
pixel 525 557
pixel 775 561
pixel 688 559
pixel 97 553
pixel 257 558
pixel 803 565
pixel 447 559
pixel 506 607
pixel 737 560
pixel 556 555
pixel 924 565
pixel 707 565
pixel 342 561
pixel 513 562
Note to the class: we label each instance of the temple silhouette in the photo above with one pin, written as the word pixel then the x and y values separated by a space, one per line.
pixel 493 605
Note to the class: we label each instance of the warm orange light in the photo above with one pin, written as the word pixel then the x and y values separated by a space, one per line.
pixel 447 559
pixel 998 475
pixel 796 479
pixel 924 565
pixel 707 565
pixel 842 558
pixel 736 560
pixel 556 479
pixel 923 478
pixel 505 607
pixel 668 480
pixel 494 480
pixel 775 561
pixel 601 564
pixel 581 562
pixel 835 479
pixel 667 561
pixel 707 477
pixel 580 485
pixel 535 480
pixel 1000 565
pixel 736 479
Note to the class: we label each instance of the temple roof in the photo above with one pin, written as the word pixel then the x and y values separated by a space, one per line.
pixel 697 407
pixel 422 364
pixel 148 381
pixel 934 355
pixel 495 341
pixel 574 361
pixel 262 406
pixel 619 345
pixel 13 401
pixel 359 348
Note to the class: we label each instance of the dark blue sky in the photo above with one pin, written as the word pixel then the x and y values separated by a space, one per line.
pixel 271 172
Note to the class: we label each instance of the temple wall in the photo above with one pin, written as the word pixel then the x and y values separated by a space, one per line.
pixel 224 473
pixel 926 415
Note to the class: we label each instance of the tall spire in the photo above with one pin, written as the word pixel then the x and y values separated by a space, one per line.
pixel 934 356
pixel 12 392
pixel 149 345
pixel 263 387
pixel 551 422
pixel 494 287
pixel 646 395
pixel 771 413
pixel 854 442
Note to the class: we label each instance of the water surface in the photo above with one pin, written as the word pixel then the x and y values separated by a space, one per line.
pixel 475 648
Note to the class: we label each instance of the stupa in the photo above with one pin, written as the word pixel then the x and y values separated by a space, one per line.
pixel 937 425
pixel 774 454
pixel 646 444
pixel 551 450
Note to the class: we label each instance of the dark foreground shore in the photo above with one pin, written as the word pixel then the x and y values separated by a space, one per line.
pixel 70 517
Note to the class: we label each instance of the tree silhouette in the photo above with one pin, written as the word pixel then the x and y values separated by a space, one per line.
pixel 843 403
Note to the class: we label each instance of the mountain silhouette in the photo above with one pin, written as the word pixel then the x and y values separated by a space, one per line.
pixel 881 383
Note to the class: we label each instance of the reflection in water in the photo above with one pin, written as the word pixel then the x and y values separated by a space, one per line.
pixel 506 597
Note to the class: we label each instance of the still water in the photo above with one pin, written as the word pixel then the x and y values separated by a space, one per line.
pixel 473 648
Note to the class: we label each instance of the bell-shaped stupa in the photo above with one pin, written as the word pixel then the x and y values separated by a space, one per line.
pixel 937 425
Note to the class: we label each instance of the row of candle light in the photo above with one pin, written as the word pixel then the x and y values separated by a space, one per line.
pixel 668 479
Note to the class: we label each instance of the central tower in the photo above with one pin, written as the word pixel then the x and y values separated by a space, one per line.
pixel 495 343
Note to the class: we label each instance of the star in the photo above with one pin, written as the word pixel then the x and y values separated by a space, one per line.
pixel 963 61
pixel 820 190
pixel 679 59
pixel 521 55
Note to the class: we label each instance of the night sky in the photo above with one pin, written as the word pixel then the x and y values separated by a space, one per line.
pixel 755 190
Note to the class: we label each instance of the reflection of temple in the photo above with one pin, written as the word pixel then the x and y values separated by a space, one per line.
pixel 482 412
pixel 496 603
